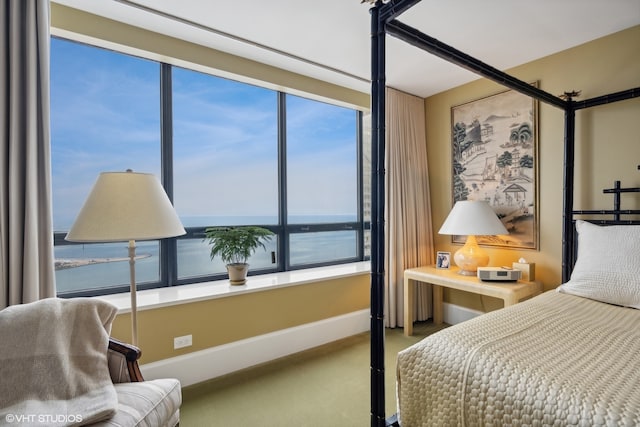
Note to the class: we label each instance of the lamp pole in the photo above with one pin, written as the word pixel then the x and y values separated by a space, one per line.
pixel 134 302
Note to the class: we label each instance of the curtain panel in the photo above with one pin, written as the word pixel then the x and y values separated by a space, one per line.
pixel 408 231
pixel 26 232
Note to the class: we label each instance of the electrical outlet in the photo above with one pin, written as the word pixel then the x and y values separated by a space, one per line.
pixel 183 341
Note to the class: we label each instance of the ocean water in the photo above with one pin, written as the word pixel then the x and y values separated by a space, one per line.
pixel 210 221
pixel 89 269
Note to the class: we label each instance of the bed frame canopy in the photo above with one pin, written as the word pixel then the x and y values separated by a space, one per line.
pixel 383 21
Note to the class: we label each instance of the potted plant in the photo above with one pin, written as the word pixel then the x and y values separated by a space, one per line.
pixel 235 245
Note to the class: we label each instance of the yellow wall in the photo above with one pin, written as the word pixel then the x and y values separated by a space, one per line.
pixel 607 141
pixel 224 320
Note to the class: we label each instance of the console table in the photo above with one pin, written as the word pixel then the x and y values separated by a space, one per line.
pixel 510 292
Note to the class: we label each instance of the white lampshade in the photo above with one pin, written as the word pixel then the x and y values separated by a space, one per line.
pixel 126 206
pixel 472 218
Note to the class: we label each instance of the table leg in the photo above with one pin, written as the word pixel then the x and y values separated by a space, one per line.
pixel 509 301
pixel 438 311
pixel 409 292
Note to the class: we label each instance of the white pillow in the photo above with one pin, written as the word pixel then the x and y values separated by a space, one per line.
pixel 608 264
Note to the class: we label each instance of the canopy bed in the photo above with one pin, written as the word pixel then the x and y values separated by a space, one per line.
pixel 383 21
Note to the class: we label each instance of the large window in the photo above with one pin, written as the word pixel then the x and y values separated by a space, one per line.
pixel 105 116
pixel 322 180
pixel 225 162
pixel 228 153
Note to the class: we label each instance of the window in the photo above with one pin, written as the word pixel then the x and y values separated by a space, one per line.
pixel 225 162
pixel 228 153
pixel 105 111
pixel 322 180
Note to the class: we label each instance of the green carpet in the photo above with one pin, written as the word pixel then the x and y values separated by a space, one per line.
pixel 323 386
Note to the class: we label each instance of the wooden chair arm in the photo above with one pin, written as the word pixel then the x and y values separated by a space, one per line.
pixel 131 354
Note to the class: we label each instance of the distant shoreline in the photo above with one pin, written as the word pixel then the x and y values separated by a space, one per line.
pixel 62 264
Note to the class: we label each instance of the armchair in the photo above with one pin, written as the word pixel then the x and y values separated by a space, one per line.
pixel 123 362
pixel 140 403
pixel 59 366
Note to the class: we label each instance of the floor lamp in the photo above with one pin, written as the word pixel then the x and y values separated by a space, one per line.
pixel 126 206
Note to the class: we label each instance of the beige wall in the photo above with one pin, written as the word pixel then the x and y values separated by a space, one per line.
pixel 607 141
pixel 224 320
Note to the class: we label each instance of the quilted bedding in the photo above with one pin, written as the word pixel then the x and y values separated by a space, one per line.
pixel 554 360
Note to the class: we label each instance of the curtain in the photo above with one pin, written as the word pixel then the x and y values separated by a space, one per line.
pixel 408 231
pixel 26 238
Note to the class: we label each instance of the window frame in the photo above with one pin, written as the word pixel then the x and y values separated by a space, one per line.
pixel 168 251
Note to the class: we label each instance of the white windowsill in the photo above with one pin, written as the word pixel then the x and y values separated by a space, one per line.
pixel 175 295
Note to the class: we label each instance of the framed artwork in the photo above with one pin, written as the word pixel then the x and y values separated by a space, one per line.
pixel 443 260
pixel 494 144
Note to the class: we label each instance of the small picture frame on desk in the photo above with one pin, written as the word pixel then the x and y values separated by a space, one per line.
pixel 443 260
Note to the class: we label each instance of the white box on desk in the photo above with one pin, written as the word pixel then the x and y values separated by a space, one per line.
pixel 528 270
pixel 498 274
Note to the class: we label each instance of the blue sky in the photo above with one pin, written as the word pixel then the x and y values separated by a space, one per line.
pixel 105 117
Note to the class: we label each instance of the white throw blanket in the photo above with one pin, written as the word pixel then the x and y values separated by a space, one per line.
pixel 53 363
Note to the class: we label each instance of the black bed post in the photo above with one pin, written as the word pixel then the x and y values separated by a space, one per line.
pixel 567 189
pixel 377 217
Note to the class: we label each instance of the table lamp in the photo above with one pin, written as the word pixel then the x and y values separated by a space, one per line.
pixel 126 206
pixel 472 218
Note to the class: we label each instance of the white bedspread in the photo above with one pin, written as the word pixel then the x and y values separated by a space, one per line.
pixel 555 360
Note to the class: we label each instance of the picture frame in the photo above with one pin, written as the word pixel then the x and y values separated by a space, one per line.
pixel 494 146
pixel 443 260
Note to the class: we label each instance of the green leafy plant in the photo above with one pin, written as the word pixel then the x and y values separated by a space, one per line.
pixel 234 245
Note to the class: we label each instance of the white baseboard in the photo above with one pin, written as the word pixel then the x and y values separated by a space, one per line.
pixel 213 362
pixel 453 314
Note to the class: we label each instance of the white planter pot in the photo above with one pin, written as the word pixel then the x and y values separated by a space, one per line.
pixel 238 273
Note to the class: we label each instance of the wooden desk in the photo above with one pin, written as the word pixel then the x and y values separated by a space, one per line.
pixel 510 292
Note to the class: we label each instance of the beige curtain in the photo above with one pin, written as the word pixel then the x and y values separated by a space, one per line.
pixel 408 231
pixel 26 239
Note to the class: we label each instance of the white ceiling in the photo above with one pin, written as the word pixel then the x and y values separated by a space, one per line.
pixel 330 39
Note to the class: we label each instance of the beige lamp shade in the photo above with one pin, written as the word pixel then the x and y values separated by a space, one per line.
pixel 126 206
pixel 472 218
